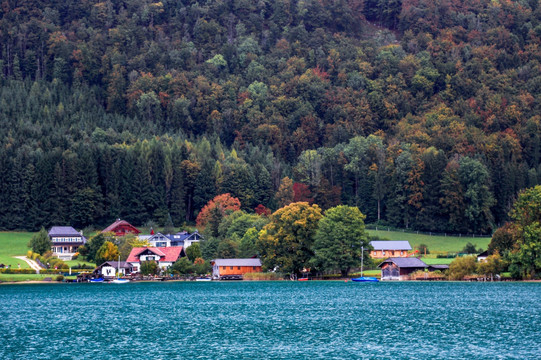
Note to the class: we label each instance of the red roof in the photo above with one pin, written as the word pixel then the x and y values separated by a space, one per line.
pixel 114 227
pixel 169 254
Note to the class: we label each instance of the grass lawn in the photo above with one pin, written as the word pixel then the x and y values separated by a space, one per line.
pixel 72 263
pixel 368 273
pixel 29 277
pixel 14 244
pixel 434 261
pixel 435 243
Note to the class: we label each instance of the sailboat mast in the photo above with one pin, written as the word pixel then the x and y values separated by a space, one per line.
pixel 362 258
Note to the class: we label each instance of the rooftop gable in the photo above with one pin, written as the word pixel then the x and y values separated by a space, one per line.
pixel 167 254
pixel 118 223
pixel 123 264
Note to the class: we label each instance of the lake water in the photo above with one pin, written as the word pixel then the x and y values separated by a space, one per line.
pixel 271 320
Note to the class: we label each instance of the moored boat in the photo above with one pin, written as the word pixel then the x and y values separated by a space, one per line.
pixel 120 281
pixel 365 279
pixel 99 280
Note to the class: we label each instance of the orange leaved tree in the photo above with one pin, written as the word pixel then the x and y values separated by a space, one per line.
pixel 217 207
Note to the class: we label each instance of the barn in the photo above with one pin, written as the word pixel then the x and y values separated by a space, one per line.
pixel 400 268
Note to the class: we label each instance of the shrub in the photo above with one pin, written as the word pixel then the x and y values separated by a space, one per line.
pixel 423 249
pixel 29 254
pixel 261 276
pixel 462 266
pixel 59 278
pixel 17 271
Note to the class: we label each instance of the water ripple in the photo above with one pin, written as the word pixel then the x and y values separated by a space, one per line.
pixel 271 320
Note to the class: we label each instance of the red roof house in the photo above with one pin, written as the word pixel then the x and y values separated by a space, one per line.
pixel 121 228
pixel 164 256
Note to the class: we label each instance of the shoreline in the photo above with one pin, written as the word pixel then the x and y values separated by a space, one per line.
pixel 33 282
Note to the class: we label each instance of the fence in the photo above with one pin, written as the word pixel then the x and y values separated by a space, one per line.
pixel 390 228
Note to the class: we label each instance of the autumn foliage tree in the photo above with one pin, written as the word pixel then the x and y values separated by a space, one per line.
pixel 217 206
pixel 107 252
pixel 286 242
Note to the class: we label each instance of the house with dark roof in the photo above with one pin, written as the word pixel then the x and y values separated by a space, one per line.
pixel 163 256
pixel 398 268
pixel 384 249
pixel 121 228
pixel 159 240
pixel 234 268
pixel 66 241
pixel 482 257
pixel 108 269
pixel 185 238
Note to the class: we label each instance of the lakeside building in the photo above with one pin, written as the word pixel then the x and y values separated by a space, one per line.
pixel 183 238
pixel 482 257
pixel 234 268
pixel 108 269
pixel 398 268
pixel 121 228
pixel 66 241
pixel 163 256
pixel 385 249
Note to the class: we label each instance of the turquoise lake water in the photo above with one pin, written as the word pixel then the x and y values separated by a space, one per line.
pixel 271 320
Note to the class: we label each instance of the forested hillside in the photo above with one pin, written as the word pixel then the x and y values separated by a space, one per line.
pixel 424 113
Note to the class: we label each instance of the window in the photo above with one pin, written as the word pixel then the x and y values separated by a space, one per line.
pixel 392 253
pixel 383 252
pixel 223 267
pixel 238 267
pixel 254 267
pixel 231 268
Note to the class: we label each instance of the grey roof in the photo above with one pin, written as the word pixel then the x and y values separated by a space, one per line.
pixel 237 262
pixel 123 264
pixel 66 231
pixel 63 231
pixel 391 245
pixel 184 235
pixel 405 262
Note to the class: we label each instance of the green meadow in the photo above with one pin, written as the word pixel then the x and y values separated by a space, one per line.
pixel 31 277
pixel 435 243
pixel 14 244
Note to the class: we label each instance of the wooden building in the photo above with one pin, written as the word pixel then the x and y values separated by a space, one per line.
pixel 234 268
pixel 121 228
pixel 65 241
pixel 400 268
pixel 385 249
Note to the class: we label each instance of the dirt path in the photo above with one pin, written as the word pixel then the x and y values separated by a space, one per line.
pixel 34 265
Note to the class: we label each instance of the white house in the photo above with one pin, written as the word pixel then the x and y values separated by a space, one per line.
pixel 109 269
pixel 163 256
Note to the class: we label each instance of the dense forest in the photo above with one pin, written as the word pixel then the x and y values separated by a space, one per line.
pixel 424 114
